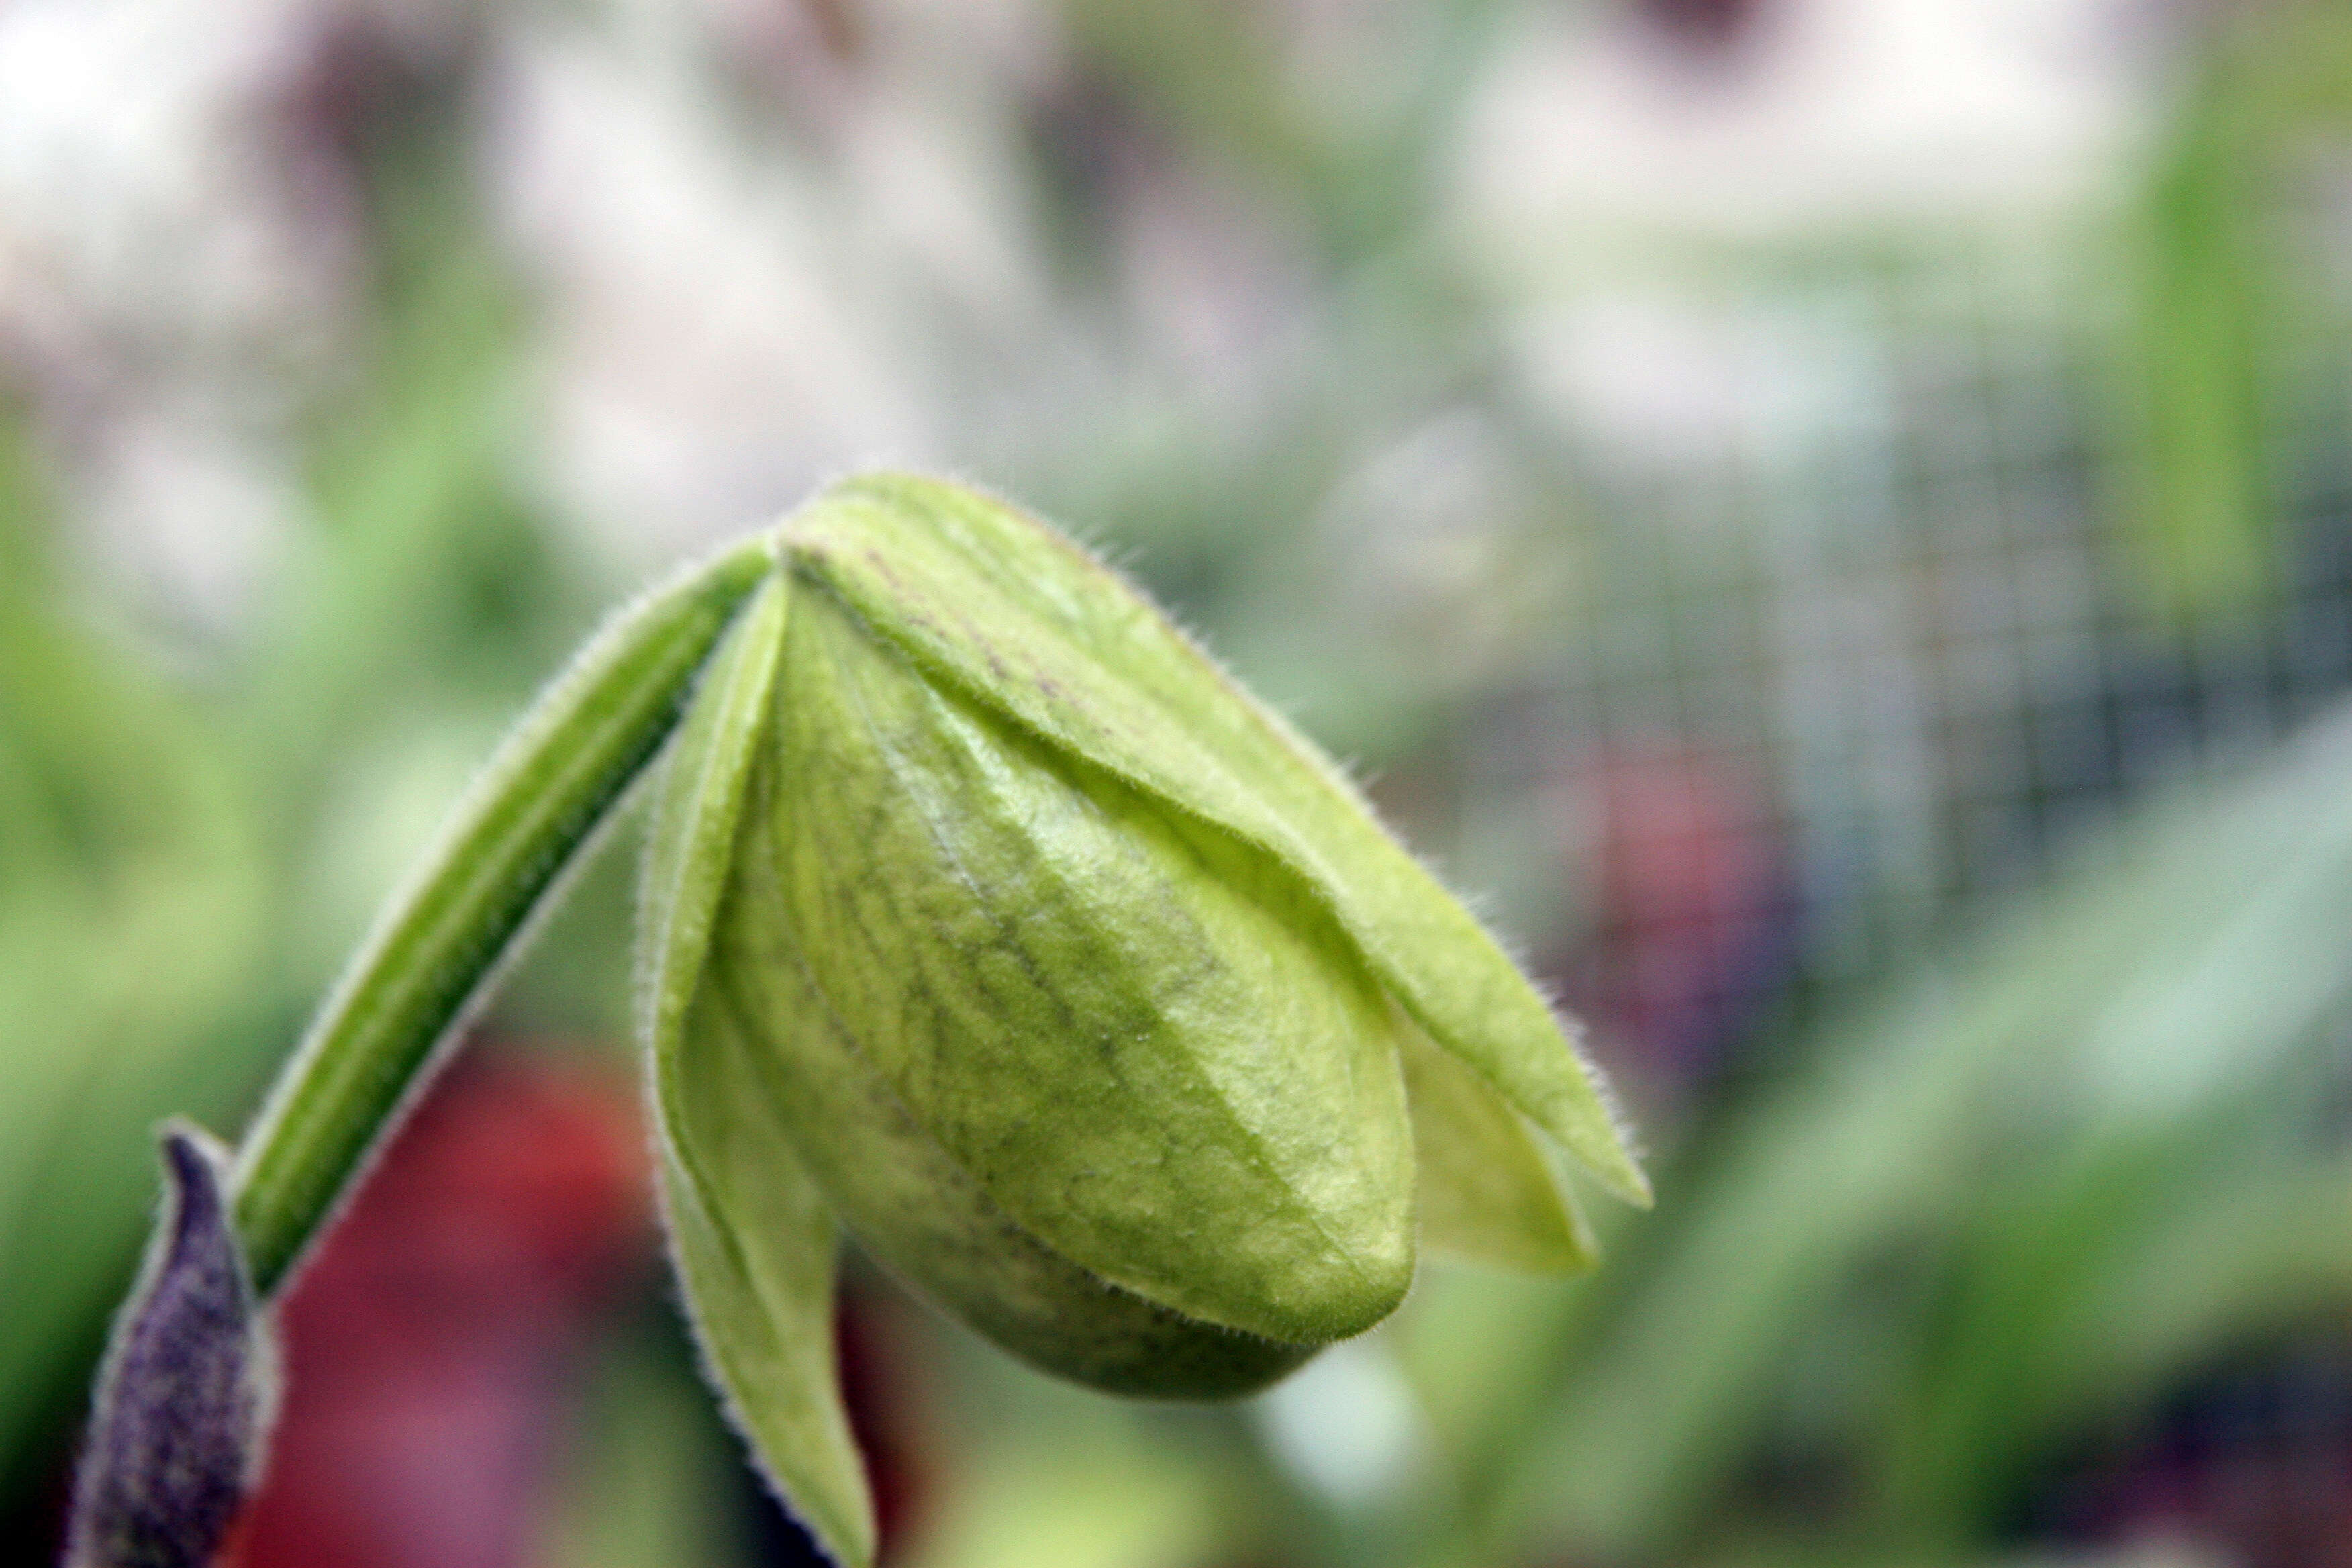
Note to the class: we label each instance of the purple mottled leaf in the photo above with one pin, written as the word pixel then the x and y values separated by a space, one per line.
pixel 182 1407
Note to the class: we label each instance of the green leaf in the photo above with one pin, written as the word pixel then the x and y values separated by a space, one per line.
pixel 751 1237
pixel 1025 624
pixel 2100 1274
pixel 2199 946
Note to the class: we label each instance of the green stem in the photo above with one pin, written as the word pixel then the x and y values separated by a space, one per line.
pixel 443 938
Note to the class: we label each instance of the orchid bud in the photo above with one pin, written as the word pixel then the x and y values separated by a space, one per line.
pixel 983 916
pixel 986 919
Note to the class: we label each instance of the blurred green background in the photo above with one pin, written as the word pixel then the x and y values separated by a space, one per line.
pixel 1832 519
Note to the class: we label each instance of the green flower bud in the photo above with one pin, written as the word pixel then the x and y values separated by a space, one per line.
pixel 986 917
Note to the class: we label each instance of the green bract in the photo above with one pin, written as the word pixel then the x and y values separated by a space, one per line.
pixel 985 917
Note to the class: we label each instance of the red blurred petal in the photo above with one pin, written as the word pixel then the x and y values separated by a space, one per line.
pixel 425 1344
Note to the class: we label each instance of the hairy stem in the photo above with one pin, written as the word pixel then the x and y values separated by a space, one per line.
pixel 444 937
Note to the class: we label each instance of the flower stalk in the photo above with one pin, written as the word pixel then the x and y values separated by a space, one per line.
pixel 443 939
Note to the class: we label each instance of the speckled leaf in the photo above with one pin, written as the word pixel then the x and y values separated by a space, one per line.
pixel 1026 625
pixel 752 1239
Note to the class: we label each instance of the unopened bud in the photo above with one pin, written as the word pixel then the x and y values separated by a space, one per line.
pixel 990 918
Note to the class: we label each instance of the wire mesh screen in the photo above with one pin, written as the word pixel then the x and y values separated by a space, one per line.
pixel 1874 632
pixel 1871 634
